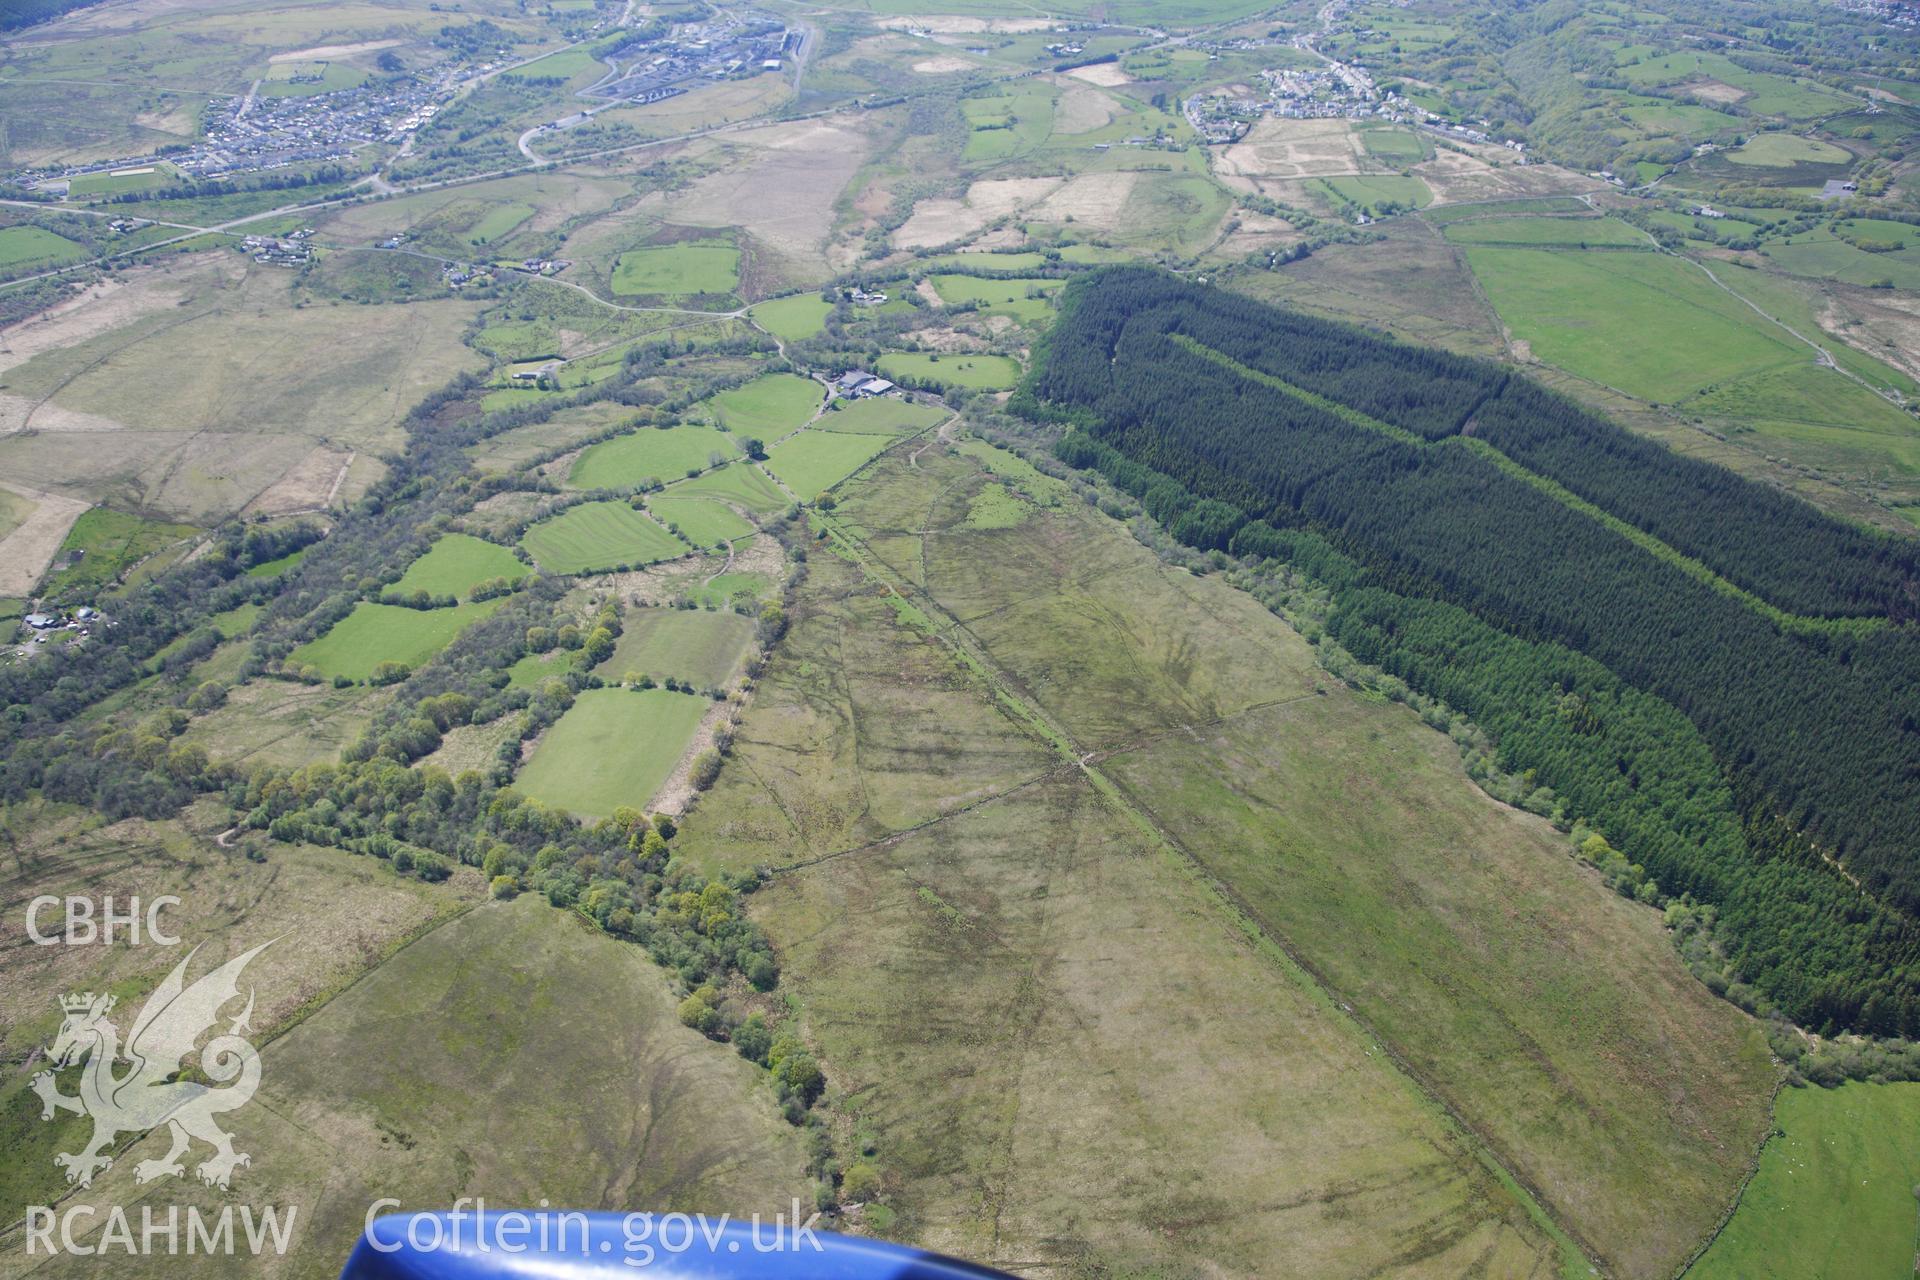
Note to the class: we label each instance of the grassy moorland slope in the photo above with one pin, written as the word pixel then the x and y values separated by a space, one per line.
pixel 1067 1055
pixel 1534 1008
pixel 380 1094
pixel 331 917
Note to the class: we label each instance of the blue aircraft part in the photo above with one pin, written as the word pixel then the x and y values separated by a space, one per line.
pixel 548 1244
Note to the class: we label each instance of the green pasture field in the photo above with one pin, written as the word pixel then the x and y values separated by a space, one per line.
pixel 996 507
pixel 1395 146
pixel 599 535
pixel 111 543
pixel 1696 228
pixel 739 483
pixel 1900 235
pixel 1572 232
pixel 516 340
pixel 1648 324
pixel 536 669
pixel 814 461
pixel 678 270
pixel 1791 98
pixel 1799 304
pixel 1821 254
pixel 457 563
pixel 1024 300
pixel 36 247
pixel 116 184
pixel 1784 150
pixel 1816 417
pixel 1642 65
pixel 1017 472
pixel 568 64
pixel 1834 1196
pixel 1085 254
pixel 975 372
pixel 227 624
pixel 702 646
pixel 1162 63
pixel 794 318
pixel 1008 124
pixel 236 621
pixel 589 370
pixel 659 453
pixel 769 406
pixel 377 633
pixel 511 450
pixel 332 77
pixel 498 222
pixel 1766 94
pixel 1443 214
pixel 981 260
pixel 1373 192
pixel 513 397
pixel 705 522
pixel 274 568
pixel 1661 116
pixel 613 747
pixel 721 589
pixel 878 416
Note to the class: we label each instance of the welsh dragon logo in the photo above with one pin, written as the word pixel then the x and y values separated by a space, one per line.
pixel 149 1093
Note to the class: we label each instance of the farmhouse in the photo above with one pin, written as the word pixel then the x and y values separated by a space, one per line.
pixel 41 621
pixel 858 384
pixel 277 252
